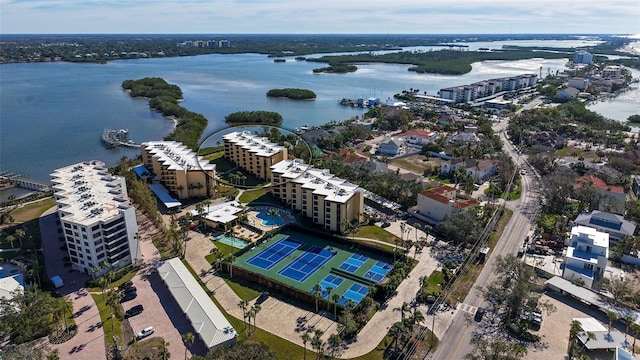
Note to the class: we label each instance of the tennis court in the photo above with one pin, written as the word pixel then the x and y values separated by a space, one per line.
pixel 355 293
pixel 306 264
pixel 353 263
pixel 331 281
pixel 276 252
pixel 378 271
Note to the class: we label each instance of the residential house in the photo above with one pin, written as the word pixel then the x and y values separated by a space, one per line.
pixel 586 256
pixel 578 83
pixel 434 204
pixel 390 146
pixel 464 138
pixel 479 170
pixel 418 136
pixel 612 198
pixel 568 93
pixel 614 225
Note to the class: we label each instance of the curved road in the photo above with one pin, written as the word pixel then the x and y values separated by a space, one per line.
pixel 455 344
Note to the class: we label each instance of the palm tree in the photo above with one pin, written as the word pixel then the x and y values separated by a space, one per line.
pixel 628 320
pixel 403 309
pixel 417 317
pixel 329 291
pixel 188 340
pixel 636 330
pixel 317 343
pixel 418 227
pixel 250 313
pixel 335 297
pixel 255 309
pixel 180 188
pixel 305 338
pixel 272 213
pixel 396 331
pixel 11 239
pixel 164 350
pixel 20 234
pixel 402 229
pixel 334 344
pixel 243 305
pixel 612 317
pixel 317 291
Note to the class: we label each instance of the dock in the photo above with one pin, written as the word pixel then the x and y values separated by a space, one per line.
pixel 112 138
pixel 20 181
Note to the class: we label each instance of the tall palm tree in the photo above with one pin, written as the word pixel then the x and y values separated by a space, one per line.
pixel 256 309
pixel 329 291
pixel 317 291
pixel 612 317
pixel 272 213
pixel 180 188
pixel 20 234
pixel 243 305
pixel 636 330
pixel 396 331
pixel 335 297
pixel 404 308
pixel 188 340
pixel 250 313
pixel 317 343
pixel 305 338
pixel 418 227
pixel 417 317
pixel 164 350
pixel 402 229
pixel 628 320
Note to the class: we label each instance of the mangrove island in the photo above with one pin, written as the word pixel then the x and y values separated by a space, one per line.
pixel 291 93
pixel 254 118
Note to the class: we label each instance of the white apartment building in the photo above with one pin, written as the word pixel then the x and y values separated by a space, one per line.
pixel 586 257
pixel 96 216
pixel 582 57
pixel 179 169
pixel 253 153
pixel 489 87
pixel 326 199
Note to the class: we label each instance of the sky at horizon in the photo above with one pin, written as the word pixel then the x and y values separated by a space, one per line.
pixel 323 17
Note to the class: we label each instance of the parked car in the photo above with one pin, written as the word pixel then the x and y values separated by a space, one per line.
pixel 128 297
pixel 126 285
pixel 145 332
pixel 134 311
pixel 262 298
pixel 479 314
pixel 130 290
pixel 385 224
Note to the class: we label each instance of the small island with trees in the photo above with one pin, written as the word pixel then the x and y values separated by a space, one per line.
pixel 165 98
pixel 337 68
pixel 291 93
pixel 254 118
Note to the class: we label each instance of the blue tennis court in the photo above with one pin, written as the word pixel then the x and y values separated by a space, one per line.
pixel 353 263
pixel 306 264
pixel 355 293
pixel 269 257
pixel 378 271
pixel 331 281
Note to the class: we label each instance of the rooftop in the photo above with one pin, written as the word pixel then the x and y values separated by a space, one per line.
pixel 260 146
pixel 320 181
pixel 588 180
pixel 86 193
pixel 606 220
pixel 594 236
pixel 222 213
pixel 177 156
pixel 445 194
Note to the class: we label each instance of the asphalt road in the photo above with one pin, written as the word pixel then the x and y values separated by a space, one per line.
pixel 456 342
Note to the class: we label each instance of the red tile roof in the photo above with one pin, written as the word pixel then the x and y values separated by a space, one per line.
pixel 350 156
pixel 418 133
pixel 599 183
pixel 439 194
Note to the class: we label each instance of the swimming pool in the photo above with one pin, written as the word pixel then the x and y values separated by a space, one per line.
pixel 231 241
pixel 269 220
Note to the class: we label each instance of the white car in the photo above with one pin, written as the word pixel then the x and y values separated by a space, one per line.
pixel 145 332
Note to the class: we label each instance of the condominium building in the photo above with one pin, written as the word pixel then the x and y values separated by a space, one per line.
pixel 179 169
pixel 96 216
pixel 253 153
pixel 582 57
pixel 486 88
pixel 326 199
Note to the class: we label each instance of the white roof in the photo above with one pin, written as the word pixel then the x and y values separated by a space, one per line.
pixel 86 193
pixel 320 181
pixel 598 238
pixel 590 324
pixel 176 156
pixel 205 317
pixel 8 285
pixel 260 146
pixel 603 338
pixel 222 213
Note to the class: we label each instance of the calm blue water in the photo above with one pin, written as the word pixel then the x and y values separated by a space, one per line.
pixel 268 220
pixel 52 114
pixel 623 105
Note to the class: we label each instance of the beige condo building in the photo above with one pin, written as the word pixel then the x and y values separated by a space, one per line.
pixel 179 169
pixel 253 153
pixel 326 199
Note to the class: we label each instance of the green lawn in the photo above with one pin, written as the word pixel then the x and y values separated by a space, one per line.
pixel 434 281
pixel 118 282
pixel 222 165
pixel 251 195
pixel 111 325
pixel 375 232
pixel 33 210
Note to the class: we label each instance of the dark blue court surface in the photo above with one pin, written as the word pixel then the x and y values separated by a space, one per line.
pixel 353 263
pixel 306 264
pixel 378 271
pixel 269 257
pixel 331 281
pixel 355 293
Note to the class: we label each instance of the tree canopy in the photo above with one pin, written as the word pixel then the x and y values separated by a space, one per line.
pixel 291 93
pixel 254 117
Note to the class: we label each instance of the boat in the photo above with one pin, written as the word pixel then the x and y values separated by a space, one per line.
pixel 279 60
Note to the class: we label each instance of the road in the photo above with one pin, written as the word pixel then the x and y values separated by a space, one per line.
pixel 455 344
